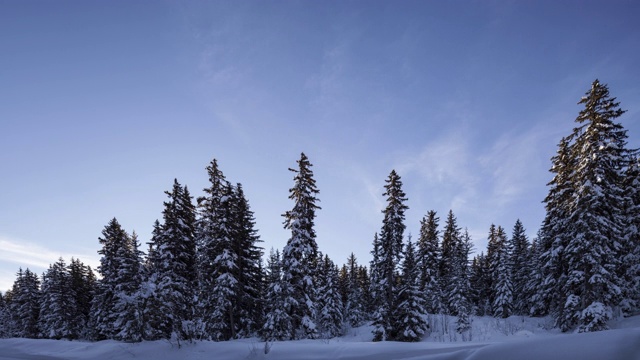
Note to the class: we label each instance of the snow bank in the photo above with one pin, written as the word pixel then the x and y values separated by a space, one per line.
pixel 622 343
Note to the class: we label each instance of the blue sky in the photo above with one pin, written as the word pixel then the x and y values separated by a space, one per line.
pixel 103 104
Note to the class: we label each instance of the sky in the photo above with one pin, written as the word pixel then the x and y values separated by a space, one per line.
pixel 103 104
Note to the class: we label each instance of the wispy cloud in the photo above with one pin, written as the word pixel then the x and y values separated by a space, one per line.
pixel 26 254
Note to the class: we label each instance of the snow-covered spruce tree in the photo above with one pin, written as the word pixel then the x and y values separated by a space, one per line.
pixel 249 307
pixel 459 295
pixel 355 313
pixel 454 268
pixel 4 317
pixel 364 283
pixel 499 267
pixel 501 277
pixel 115 309
pixel 103 313
pixel 428 260
pixel 329 306
pixel 592 288
pixel 24 306
pixel 57 303
pixel 409 317
pixel 83 281
pixel 128 306
pixel 221 320
pixel 534 282
pixel 277 322
pixel 389 257
pixel 175 270
pixel 520 271
pixel 554 234
pixel 213 235
pixel 376 289
pixel 300 253
pixel 480 281
pixel 629 270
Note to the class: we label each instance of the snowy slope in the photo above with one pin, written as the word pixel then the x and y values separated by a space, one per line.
pixel 621 343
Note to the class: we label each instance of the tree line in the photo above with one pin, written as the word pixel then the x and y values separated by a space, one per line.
pixel 203 277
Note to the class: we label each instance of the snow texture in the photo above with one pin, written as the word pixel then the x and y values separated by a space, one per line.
pixel 505 341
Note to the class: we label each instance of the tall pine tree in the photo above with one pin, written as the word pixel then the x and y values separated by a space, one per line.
pixel 389 256
pixel 300 254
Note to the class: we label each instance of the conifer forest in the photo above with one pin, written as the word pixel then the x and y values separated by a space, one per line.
pixel 203 274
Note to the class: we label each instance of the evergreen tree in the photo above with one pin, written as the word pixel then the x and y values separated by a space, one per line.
pixel 83 282
pixel 330 317
pixel 128 307
pixel 221 321
pixel 428 260
pixel 4 317
pixel 115 310
pixel 175 270
pixel 534 284
pixel 249 307
pixel 389 255
pixel 480 281
pixel 355 312
pixel 629 270
pixel 554 235
pixel 592 252
pixel 278 322
pixel 57 303
pixel 453 268
pixel 501 278
pixel 213 231
pixel 24 306
pixel 460 288
pixel 409 316
pixel 364 283
pixel 300 253
pixel 230 303
pixel 520 271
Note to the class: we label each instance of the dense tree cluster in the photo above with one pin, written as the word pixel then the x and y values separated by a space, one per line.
pixel 202 277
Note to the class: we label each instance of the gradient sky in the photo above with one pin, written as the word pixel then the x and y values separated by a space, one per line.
pixel 104 103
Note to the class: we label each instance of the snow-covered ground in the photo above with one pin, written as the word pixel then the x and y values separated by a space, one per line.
pixel 513 338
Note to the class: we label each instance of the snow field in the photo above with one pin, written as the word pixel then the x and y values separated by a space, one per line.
pixel 513 338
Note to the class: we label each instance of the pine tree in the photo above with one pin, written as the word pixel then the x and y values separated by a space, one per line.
pixel 454 268
pixel 428 260
pixel 330 317
pixel 592 252
pixel 376 290
pixel 5 329
pixel 278 322
pixel 57 303
pixel 533 285
pixel 554 234
pixel 629 270
pixel 520 271
pixel 409 316
pixel 221 321
pixel 480 281
pixel 355 312
pixel 212 231
pixel 364 283
pixel 128 306
pixel 501 278
pixel 115 309
pixel 300 253
pixel 176 267
pixel 24 306
pixel 249 306
pixel 83 281
pixel 389 257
